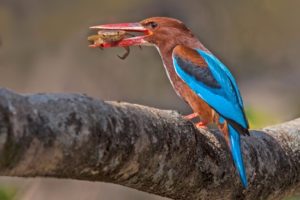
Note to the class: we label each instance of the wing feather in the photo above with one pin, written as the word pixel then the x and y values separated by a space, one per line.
pixel 211 80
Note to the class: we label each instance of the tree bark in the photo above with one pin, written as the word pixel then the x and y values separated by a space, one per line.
pixel 156 151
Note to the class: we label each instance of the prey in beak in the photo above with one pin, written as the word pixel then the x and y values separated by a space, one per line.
pixel 118 35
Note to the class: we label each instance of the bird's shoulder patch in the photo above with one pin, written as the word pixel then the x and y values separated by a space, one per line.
pixel 191 62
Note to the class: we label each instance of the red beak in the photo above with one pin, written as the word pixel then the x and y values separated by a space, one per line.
pixel 128 27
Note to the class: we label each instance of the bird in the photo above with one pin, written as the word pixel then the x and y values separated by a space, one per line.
pixel 197 76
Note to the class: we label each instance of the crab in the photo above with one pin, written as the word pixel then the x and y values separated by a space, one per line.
pixel 111 37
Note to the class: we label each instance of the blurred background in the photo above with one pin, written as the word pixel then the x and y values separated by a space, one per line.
pixel 43 48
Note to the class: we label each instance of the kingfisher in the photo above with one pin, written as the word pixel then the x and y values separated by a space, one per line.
pixel 197 76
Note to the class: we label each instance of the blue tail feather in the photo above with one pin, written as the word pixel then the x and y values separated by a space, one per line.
pixel 235 146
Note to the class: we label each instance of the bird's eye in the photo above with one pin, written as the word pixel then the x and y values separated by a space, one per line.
pixel 153 25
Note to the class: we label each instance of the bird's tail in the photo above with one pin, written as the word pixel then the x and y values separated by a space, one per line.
pixel 235 147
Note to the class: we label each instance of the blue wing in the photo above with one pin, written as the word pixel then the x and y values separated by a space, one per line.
pixel 216 86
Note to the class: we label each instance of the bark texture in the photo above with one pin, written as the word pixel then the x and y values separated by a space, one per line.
pixel 156 151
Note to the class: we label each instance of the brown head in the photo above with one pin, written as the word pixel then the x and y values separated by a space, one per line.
pixel 165 31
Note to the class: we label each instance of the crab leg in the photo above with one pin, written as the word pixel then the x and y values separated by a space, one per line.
pixel 125 54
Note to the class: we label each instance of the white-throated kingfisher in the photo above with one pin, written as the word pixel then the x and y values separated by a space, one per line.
pixel 196 75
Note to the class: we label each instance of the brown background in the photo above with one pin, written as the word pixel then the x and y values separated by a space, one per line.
pixel 44 49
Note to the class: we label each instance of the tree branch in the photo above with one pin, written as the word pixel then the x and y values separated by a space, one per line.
pixel 156 151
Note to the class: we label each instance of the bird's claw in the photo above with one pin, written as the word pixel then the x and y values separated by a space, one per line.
pixel 201 124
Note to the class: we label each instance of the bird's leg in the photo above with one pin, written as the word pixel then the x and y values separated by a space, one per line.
pixel 190 116
pixel 201 124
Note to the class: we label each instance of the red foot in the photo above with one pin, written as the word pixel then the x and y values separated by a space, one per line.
pixel 201 124
pixel 191 116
